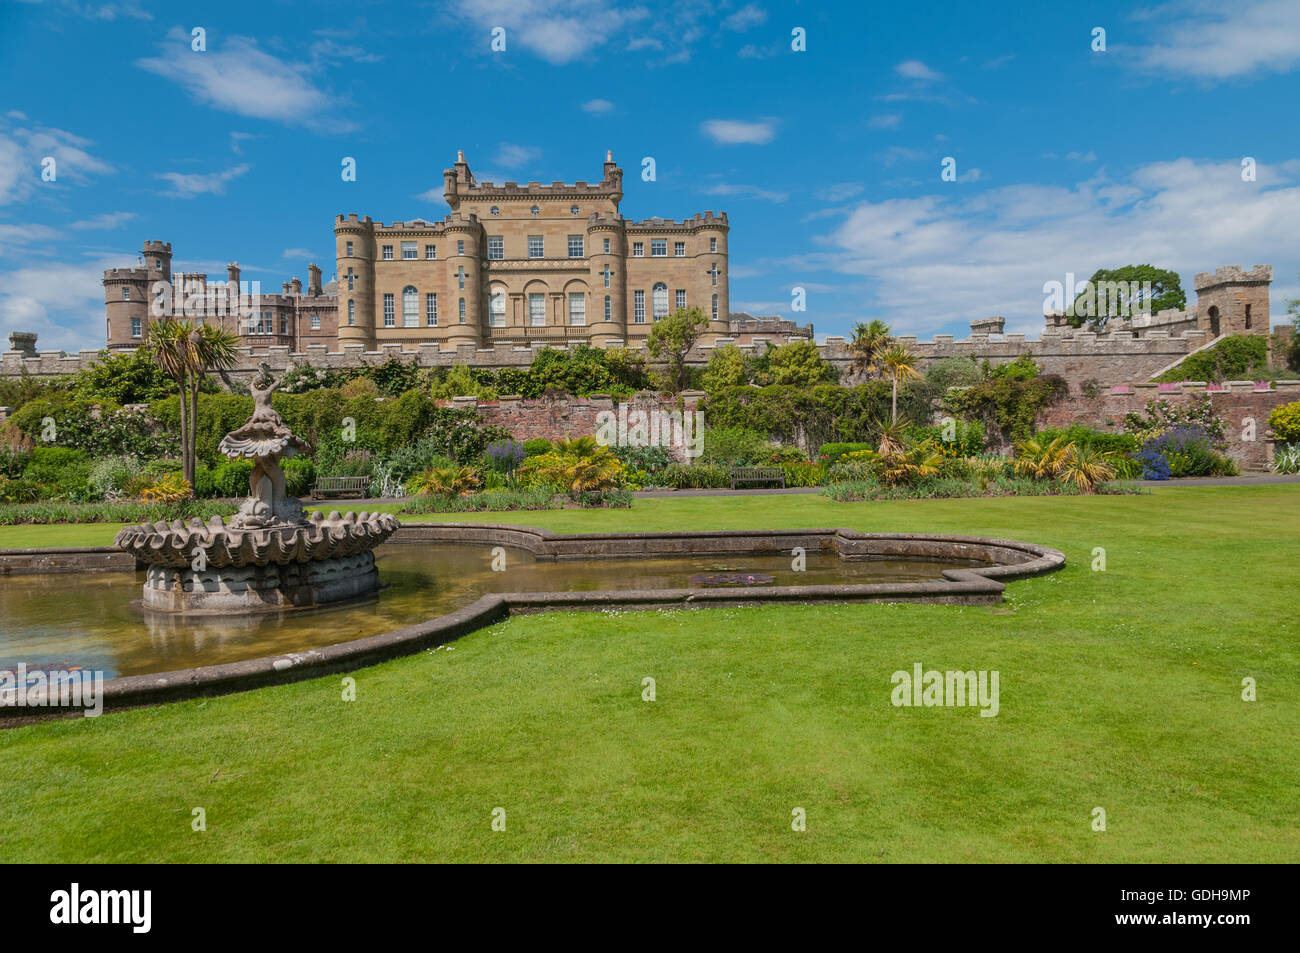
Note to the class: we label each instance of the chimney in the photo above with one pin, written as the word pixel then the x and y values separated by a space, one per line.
pixel 313 280
pixel 284 289
pixel 296 285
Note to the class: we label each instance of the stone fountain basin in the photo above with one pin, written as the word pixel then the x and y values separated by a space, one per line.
pixel 983 585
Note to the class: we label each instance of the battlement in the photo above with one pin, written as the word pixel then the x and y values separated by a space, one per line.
pixel 1233 274
pixel 125 274
pixel 513 190
pixel 699 220
pixel 154 245
pixel 351 221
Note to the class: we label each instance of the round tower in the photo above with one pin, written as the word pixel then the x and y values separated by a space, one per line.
pixel 354 241
pixel 126 306
pixel 605 330
pixel 717 304
pixel 464 279
pixel 158 260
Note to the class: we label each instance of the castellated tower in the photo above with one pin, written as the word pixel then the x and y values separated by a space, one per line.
pixel 354 241
pixel 128 293
pixel 1233 301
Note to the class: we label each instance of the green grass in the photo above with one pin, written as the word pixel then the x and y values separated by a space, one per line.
pixel 1119 689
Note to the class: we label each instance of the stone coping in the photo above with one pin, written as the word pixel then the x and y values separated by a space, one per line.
pixel 1008 559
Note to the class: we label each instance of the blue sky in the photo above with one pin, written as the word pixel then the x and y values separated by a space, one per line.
pixel 827 160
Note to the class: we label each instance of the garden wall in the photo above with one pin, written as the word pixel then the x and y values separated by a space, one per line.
pixel 1235 402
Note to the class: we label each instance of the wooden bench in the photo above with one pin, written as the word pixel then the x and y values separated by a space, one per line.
pixel 340 486
pixel 757 475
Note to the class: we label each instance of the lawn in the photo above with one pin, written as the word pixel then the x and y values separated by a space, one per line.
pixel 1119 689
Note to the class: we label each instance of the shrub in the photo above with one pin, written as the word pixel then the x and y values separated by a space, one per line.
pixel 1188 452
pixel 953 372
pixel 1099 440
pixel 735 446
pixel 967 437
pixel 831 452
pixel 536 447
pixel 804 473
pixel 504 456
pixel 299 475
pixel 1234 358
pixel 696 476
pixel 109 475
pixel 529 498
pixel 118 512
pixel 451 481
pixel 231 478
pixel 426 454
pixel 170 489
pixel 1008 402
pixel 1286 458
pixel 1285 421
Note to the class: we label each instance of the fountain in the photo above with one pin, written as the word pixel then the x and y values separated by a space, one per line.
pixel 269 555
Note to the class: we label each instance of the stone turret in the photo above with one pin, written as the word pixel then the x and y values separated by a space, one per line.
pixel 1233 301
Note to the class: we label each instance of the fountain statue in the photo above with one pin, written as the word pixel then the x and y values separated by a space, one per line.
pixel 269 555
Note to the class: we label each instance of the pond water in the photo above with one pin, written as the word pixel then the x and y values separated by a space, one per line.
pixel 90 620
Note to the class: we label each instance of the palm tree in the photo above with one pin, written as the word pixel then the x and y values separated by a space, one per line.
pixel 445 481
pixel 868 341
pixel 186 352
pixel 1085 467
pixel 898 362
pixel 1041 460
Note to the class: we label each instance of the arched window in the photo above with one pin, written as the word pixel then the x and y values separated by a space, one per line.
pixel 410 307
pixel 659 301
pixel 497 308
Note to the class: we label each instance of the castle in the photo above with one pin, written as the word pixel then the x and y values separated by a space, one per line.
pixel 511 265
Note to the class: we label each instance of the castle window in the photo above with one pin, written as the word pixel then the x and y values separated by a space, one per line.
pixel 573 210
pixel 713 244
pixel 460 247
pixel 607 273
pixel 284 324
pixel 537 310
pixel 388 253
pixel 126 292
pixel 460 276
pixel 638 307
pixel 536 246
pixel 430 252
pixel 609 308
pixel 1247 317
pixel 495 210
pixel 315 322
pixel 714 273
pixel 351 278
pixel 534 211
pixel 659 300
pixel 390 312
pixel 575 246
pixel 577 308
pixel 607 246
pixel 352 313
pixel 409 252
pixel 431 309
pixel 462 310
pixel 410 307
pixel 136 329
pixel 497 308
pixel 681 298
pixel 715 307
pixel 348 249
pixel 679 249
pixel 658 248
pixel 496 247
pixel 638 249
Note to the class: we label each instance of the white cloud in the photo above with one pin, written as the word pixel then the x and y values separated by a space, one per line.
pixel 62 302
pixel 747 191
pixel 513 156
pixel 186 185
pixel 915 69
pixel 1218 41
pixel 23 149
pixel 242 79
pixel 727 132
pixel 885 121
pixel 750 15
pixel 597 107
pixel 990 252
pixel 109 220
pixel 559 31
pixel 296 253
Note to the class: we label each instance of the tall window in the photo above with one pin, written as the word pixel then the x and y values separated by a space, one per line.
pixel 606 246
pixel 460 276
pixel 536 246
pixel 715 307
pixel 460 247
pixel 713 244
pixel 431 309
pixel 658 248
pixel 315 322
pixel 713 272
pixel 462 310
pixel 351 278
pixel 388 253
pixel 410 307
pixel 638 307
pixel 126 292
pixel 577 308
pixel 607 274
pixel 347 249
pixel 496 247
pixel 430 252
pixel 575 246
pixel 390 317
pixel 679 249
pixel 409 252
pixel 681 298
pixel 497 308
pixel 638 249
pixel 352 313
pixel 284 324
pixel 537 310
pixel 609 308
pixel 136 327
pixel 659 300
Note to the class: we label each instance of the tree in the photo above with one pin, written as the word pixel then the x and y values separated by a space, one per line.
pixel 869 340
pixel 727 368
pixel 187 352
pixel 798 363
pixel 673 337
pixel 1120 292
pixel 897 362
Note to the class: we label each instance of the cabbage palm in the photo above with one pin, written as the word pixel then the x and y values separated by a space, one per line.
pixel 1040 460
pixel 897 362
pixel 1085 467
pixel 186 351
pixel 869 340
pixel 444 481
